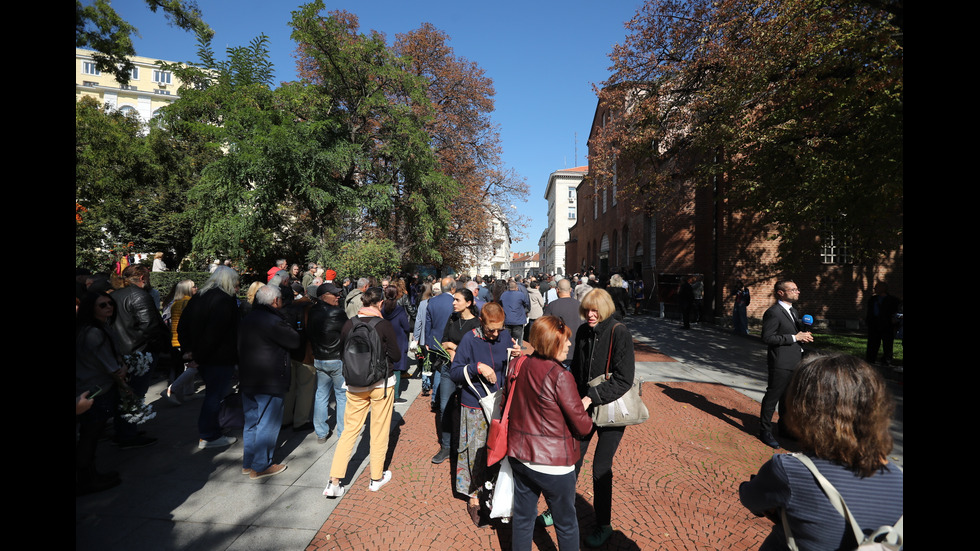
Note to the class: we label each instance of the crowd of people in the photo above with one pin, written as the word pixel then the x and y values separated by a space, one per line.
pixel 300 342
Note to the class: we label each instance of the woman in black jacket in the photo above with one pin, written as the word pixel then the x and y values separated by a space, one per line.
pixel 602 344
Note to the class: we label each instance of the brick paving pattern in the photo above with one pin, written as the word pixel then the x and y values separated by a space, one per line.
pixel 675 484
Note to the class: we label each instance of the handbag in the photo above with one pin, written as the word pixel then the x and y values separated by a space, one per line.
pixel 232 413
pixel 490 402
pixel 626 410
pixel 497 435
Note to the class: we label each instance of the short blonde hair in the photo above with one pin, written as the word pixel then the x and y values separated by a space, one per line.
pixel 598 300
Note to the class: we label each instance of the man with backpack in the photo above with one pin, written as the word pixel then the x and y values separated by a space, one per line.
pixel 369 350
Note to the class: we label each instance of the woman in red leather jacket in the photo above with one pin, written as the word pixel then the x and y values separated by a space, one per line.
pixel 546 417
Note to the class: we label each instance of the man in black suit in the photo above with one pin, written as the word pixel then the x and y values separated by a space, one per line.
pixel 781 331
pixel 881 324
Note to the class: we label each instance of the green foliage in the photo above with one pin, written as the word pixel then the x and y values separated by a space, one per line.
pixel 110 165
pixel 237 169
pixel 133 187
pixel 381 148
pixel 370 256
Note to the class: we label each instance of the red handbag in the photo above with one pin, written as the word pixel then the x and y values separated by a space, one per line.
pixel 497 437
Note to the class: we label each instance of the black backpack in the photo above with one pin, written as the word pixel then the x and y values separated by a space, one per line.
pixel 364 357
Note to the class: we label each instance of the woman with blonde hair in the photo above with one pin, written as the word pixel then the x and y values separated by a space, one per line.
pixel 602 345
pixel 182 385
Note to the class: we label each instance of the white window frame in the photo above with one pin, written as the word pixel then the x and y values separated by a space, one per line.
pixel 834 247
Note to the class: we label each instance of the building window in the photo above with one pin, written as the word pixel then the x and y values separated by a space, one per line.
pixel 571 194
pixel 615 182
pixel 595 201
pixel 134 74
pixel 162 92
pixel 90 83
pixel 571 213
pixel 162 77
pixel 604 195
pixel 89 68
pixel 835 247
pixel 128 87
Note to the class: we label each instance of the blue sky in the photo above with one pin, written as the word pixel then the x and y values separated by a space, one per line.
pixel 543 56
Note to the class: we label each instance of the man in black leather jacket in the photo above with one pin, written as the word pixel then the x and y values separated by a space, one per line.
pixel 326 320
pixel 138 323
pixel 140 329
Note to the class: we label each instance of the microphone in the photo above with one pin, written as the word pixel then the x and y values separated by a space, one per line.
pixel 807 322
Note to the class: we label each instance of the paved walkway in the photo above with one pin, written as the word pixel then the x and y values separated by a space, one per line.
pixel 676 476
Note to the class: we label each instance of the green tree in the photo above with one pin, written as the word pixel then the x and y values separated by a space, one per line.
pixel 110 168
pixel 99 26
pixel 377 111
pixel 229 121
pixel 370 255
pixel 796 106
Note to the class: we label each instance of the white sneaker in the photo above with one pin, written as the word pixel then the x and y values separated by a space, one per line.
pixel 376 485
pixel 333 490
pixel 217 443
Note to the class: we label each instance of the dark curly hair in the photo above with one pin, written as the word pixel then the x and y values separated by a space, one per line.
pixel 841 410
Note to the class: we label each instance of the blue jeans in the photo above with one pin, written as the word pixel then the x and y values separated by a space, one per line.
pixel 559 493
pixel 263 418
pixel 218 381
pixel 329 380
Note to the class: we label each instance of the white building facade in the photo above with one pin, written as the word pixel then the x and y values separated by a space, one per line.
pixel 494 258
pixel 562 211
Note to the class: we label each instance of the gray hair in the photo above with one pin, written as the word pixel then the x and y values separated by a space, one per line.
pixel 448 284
pixel 472 286
pixel 223 278
pixel 280 277
pixel 267 294
pixel 581 291
pixel 363 282
pixel 281 262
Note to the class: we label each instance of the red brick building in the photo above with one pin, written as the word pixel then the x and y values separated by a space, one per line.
pixel 703 236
